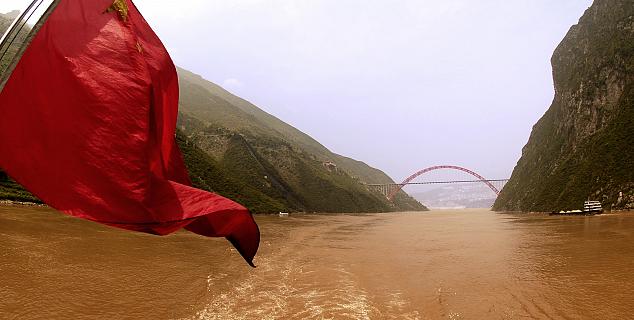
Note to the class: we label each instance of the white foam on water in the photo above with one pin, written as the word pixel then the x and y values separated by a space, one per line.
pixel 278 293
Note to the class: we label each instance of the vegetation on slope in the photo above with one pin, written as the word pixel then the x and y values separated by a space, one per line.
pixel 207 174
pixel 280 171
pixel 12 191
pixel 207 107
pixel 583 147
pixel 244 116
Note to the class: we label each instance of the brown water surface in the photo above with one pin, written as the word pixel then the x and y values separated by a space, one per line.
pixel 466 264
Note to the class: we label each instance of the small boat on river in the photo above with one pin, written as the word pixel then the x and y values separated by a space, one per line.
pixel 589 208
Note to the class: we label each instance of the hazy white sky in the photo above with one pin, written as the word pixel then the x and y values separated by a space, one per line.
pixel 399 84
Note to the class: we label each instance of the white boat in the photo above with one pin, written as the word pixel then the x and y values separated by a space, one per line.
pixel 593 207
pixel 589 208
pixel 283 214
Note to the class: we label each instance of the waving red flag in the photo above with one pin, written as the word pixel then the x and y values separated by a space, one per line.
pixel 87 123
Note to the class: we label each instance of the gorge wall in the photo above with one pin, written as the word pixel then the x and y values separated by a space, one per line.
pixel 583 146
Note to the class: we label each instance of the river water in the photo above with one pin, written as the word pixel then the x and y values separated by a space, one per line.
pixel 464 264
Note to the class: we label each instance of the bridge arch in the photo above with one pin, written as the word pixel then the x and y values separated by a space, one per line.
pixel 422 172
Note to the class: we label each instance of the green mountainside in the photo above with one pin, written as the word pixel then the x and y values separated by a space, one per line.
pixel 583 146
pixel 235 149
pixel 275 158
pixel 245 116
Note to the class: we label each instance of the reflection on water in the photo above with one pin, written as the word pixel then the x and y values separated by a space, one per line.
pixel 470 264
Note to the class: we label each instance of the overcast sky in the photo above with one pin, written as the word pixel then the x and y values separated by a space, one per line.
pixel 399 84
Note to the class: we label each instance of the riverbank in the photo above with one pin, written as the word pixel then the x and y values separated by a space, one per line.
pixel 606 212
pixel 21 203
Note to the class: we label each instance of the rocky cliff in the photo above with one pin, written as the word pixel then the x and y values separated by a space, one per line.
pixel 583 146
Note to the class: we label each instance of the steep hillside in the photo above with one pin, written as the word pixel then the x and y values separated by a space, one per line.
pixel 242 115
pixel 207 174
pixel 583 147
pixel 5 21
pixel 211 116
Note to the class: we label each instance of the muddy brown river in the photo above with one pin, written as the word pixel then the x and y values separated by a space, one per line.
pixel 463 264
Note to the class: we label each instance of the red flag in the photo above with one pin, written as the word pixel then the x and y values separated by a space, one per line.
pixel 87 124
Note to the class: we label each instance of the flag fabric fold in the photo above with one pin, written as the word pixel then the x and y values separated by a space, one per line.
pixel 87 124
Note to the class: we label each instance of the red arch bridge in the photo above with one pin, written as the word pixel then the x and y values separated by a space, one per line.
pixel 391 189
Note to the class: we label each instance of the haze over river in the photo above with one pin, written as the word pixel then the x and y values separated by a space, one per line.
pixel 466 264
